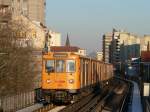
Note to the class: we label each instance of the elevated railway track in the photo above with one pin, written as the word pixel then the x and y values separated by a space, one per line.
pixel 115 97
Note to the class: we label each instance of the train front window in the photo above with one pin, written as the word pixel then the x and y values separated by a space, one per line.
pixel 50 66
pixel 70 65
pixel 60 66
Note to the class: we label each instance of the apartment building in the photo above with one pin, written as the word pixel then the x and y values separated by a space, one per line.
pixel 100 56
pixel 144 42
pixel 107 39
pixel 120 47
pixel 129 46
pixel 118 42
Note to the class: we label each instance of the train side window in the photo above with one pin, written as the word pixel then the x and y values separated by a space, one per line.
pixel 50 66
pixel 60 65
pixel 70 65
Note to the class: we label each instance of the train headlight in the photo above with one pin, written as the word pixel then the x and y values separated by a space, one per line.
pixel 48 81
pixel 71 81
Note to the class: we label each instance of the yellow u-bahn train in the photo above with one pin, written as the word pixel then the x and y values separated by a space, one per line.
pixel 65 75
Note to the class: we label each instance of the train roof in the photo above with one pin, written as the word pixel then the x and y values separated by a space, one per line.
pixel 70 51
pixel 64 49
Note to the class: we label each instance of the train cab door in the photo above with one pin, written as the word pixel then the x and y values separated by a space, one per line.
pixel 65 73
pixel 60 74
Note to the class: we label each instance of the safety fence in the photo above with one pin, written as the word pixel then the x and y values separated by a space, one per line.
pixel 16 102
pixel 147 106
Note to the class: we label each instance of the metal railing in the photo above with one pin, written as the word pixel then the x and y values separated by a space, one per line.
pixel 147 106
pixel 16 102
pixel 45 108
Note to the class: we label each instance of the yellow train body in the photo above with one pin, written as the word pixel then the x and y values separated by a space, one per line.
pixel 69 73
pixel 60 80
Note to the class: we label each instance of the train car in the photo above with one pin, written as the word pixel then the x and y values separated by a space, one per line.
pixel 66 75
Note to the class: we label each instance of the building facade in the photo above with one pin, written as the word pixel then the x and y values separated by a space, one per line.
pixel 144 41
pixel 107 39
pixel 120 47
pixel 55 38
pixel 52 39
pixel 36 10
pixel 37 34
pixel 5 11
pixel 129 46
pixel 81 52
pixel 33 34
pixel 32 9
pixel 100 56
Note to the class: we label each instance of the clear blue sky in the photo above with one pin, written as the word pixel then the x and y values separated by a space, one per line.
pixel 87 20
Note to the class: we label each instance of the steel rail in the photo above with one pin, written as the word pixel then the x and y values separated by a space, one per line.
pixel 89 103
pixel 126 99
pixel 79 104
pixel 100 105
pixel 123 100
pixel 94 102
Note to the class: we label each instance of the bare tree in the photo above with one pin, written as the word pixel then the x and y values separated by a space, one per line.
pixel 16 68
